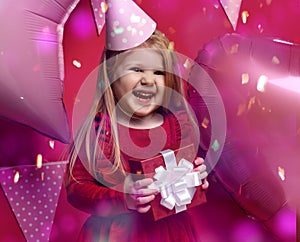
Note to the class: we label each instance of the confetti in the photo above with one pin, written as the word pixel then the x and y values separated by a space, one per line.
pixel 268 2
pixel 260 28
pixel 39 161
pixel 234 48
pixel 187 64
pixel 215 146
pixel 245 78
pixel 171 46
pixel 76 63
pixel 261 83
pixel 251 102
pixel 205 123
pixel 135 19
pixel 104 7
pixel 16 177
pixel 245 15
pixel 172 30
pixel 51 144
pixel 281 173
pixel 241 109
pixel 118 30
pixel 275 60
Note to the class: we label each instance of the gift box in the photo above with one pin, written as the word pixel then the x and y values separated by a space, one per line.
pixel 178 186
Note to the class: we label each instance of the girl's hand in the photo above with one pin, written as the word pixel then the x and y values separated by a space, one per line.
pixel 201 168
pixel 138 195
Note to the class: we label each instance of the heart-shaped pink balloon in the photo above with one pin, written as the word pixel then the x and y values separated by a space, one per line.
pixel 31 64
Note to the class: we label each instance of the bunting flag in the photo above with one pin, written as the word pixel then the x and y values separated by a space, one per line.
pixel 232 10
pixel 33 194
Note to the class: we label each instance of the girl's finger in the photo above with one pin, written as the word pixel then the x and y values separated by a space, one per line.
pixel 143 209
pixel 201 168
pixel 145 192
pixel 205 184
pixel 198 161
pixel 142 183
pixel 203 175
pixel 144 200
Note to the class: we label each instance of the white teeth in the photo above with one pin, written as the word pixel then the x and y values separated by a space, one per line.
pixel 143 95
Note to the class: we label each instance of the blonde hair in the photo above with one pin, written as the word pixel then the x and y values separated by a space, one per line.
pixel 104 102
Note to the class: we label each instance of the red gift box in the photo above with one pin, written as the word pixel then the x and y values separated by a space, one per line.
pixel 147 169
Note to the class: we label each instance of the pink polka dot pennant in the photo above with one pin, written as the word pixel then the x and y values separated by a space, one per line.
pixel 33 195
pixel 232 10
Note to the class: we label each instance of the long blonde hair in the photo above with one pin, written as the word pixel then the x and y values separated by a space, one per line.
pixel 104 102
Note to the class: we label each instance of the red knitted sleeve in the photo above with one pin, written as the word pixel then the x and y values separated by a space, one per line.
pixel 103 196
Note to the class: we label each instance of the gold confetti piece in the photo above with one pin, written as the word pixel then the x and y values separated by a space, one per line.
pixel 171 46
pixel 76 63
pixel 234 48
pixel 104 7
pixel 205 123
pixel 39 161
pixel 245 78
pixel 261 83
pixel 245 15
pixel 241 109
pixel 16 177
pixel 281 173
pixel 275 60
pixel 42 176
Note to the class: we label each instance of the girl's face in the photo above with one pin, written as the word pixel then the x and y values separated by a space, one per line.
pixel 140 82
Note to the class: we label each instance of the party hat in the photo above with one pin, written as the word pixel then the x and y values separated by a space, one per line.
pixel 127 25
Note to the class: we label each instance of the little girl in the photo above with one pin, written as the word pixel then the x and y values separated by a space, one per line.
pixel 139 110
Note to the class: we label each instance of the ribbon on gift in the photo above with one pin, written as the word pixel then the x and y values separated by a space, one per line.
pixel 176 183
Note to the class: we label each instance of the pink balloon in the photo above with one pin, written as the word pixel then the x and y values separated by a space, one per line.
pixel 31 64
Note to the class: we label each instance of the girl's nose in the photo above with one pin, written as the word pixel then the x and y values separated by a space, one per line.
pixel 148 78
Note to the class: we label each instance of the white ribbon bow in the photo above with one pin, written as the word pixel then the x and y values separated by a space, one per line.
pixel 177 183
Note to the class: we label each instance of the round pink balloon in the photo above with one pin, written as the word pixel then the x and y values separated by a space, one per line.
pixel 31 64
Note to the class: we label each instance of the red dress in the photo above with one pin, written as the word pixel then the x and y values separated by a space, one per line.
pixel 110 219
